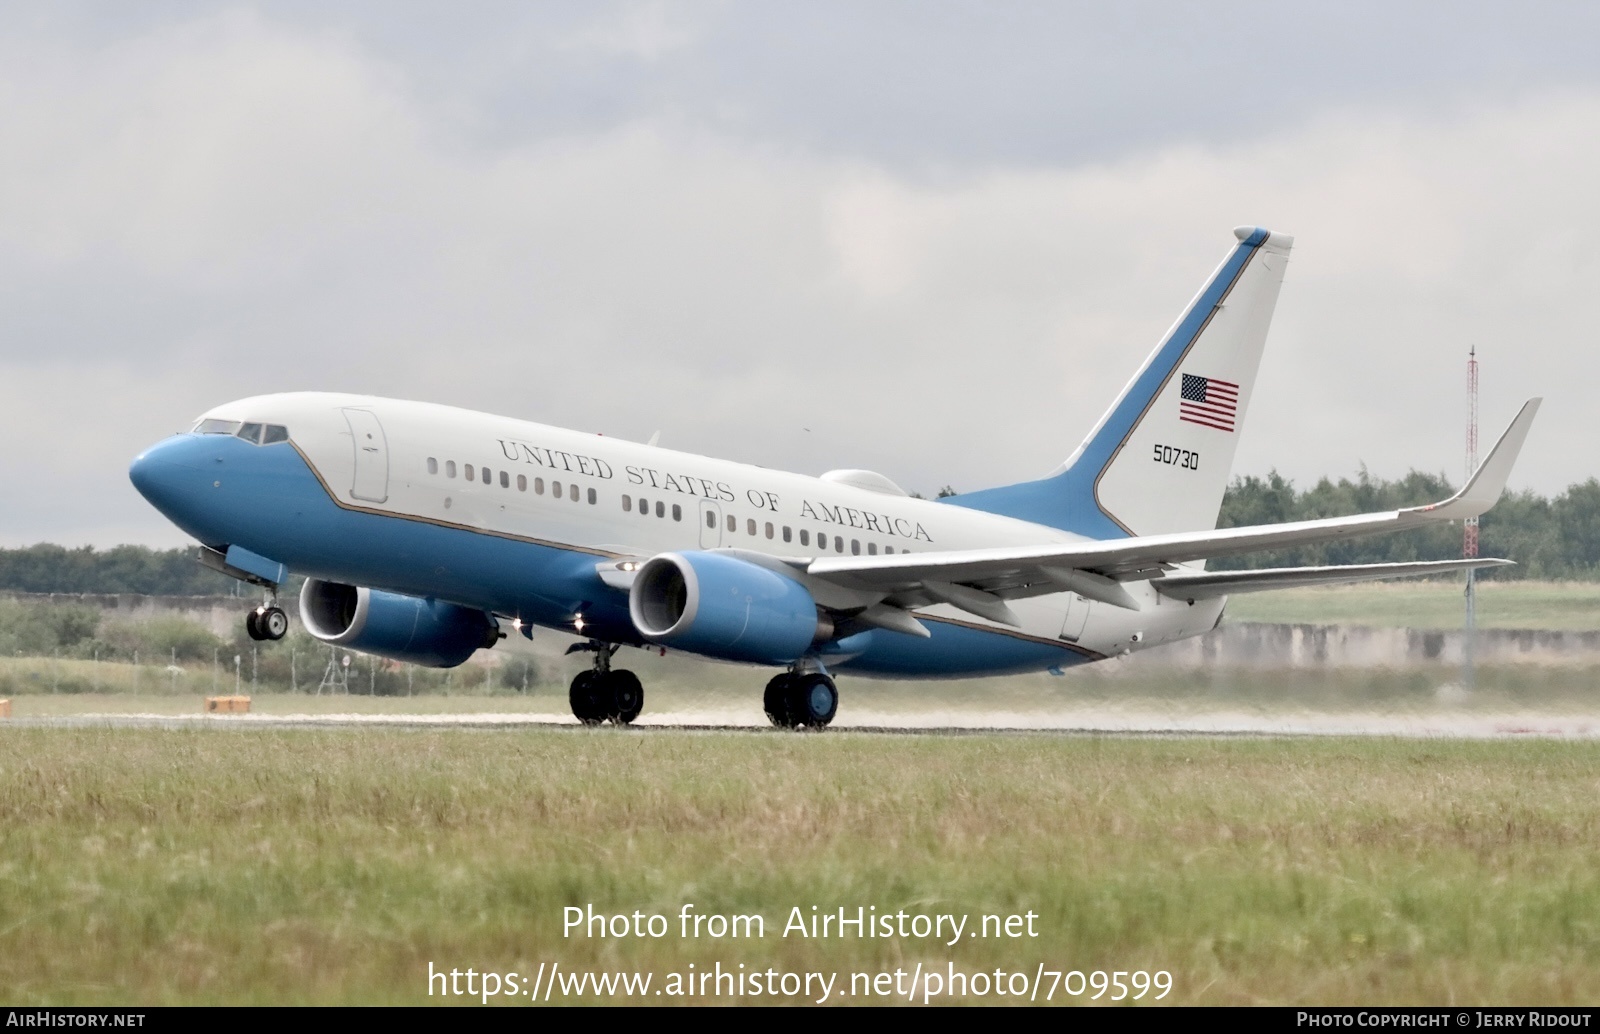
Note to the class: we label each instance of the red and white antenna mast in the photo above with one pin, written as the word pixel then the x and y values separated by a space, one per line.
pixel 1469 541
pixel 1469 535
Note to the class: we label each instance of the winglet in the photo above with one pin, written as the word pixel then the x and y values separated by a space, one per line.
pixel 1483 489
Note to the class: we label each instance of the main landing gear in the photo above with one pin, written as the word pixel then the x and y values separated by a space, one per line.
pixel 268 622
pixel 801 699
pixel 600 694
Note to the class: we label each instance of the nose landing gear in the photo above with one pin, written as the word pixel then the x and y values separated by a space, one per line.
pixel 801 699
pixel 600 694
pixel 268 622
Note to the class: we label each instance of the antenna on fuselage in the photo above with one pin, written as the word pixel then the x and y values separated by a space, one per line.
pixel 654 437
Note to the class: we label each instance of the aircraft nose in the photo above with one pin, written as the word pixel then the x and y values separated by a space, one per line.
pixel 167 473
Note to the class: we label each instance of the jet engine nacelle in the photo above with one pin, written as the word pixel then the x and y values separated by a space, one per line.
pixel 724 607
pixel 402 628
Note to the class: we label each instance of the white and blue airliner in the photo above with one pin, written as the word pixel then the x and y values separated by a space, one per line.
pixel 427 532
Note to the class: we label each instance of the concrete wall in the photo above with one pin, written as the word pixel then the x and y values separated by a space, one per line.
pixel 1241 644
pixel 1251 644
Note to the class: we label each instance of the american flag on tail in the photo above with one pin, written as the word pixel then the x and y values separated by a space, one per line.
pixel 1208 401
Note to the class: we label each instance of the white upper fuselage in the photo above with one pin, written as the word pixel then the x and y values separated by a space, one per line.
pixel 411 460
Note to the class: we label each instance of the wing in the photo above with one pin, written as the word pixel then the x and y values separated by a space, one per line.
pixel 980 581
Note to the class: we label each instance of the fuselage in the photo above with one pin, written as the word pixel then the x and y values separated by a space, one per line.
pixel 512 517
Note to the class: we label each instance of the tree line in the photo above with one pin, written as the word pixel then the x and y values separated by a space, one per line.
pixel 120 569
pixel 1549 538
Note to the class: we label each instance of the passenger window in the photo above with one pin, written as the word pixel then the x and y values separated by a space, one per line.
pixel 838 543
pixel 538 486
pixel 274 433
pixel 522 482
pixel 505 480
pixel 872 549
pixel 711 519
pixel 449 468
pixel 644 507
pixel 433 465
pixel 677 512
pixel 733 523
pixel 593 496
pixel 888 549
pixel 250 433
pixel 555 489
pixel 627 504
pixel 750 527
pixel 855 547
pixel 661 508
pixel 572 491
pixel 786 534
pixel 805 537
pixel 466 470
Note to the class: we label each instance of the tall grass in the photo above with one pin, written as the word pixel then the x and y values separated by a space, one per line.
pixel 333 866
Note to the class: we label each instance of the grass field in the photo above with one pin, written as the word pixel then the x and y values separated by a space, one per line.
pixel 1554 606
pixel 146 866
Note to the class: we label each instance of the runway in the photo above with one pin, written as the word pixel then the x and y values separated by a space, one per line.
pixel 1421 725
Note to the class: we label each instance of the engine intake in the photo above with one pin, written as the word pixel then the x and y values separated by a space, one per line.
pixel 725 607
pixel 432 633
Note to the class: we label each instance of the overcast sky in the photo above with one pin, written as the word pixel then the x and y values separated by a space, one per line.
pixel 931 239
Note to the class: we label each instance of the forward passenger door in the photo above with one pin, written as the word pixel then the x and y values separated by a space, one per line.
pixel 371 481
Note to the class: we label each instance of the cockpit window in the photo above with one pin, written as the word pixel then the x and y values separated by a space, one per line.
pixel 255 434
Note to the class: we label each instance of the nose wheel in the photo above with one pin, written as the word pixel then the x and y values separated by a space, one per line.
pixel 267 623
pixel 801 700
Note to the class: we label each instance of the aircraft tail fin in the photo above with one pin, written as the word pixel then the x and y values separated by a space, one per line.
pixel 1159 459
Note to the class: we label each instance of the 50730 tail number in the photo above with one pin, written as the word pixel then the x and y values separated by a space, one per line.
pixel 1175 457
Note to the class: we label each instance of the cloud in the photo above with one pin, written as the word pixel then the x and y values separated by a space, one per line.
pixel 645 31
pixel 228 206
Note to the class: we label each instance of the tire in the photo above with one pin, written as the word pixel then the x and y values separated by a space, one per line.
pixel 273 623
pixel 252 625
pixel 776 701
pixel 587 698
pixel 626 696
pixel 813 701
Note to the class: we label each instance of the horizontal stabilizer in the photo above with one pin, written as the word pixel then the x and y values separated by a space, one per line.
pixel 1205 585
pixel 1010 572
pixel 981 581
